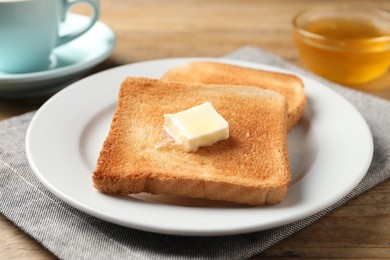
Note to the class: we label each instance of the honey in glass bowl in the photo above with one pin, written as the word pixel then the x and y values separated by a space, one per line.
pixel 346 44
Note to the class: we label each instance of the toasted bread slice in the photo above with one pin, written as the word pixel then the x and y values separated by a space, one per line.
pixel 288 85
pixel 250 167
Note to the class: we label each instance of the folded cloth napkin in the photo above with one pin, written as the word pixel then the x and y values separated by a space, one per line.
pixel 71 234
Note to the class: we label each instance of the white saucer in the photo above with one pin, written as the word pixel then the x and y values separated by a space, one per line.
pixel 69 62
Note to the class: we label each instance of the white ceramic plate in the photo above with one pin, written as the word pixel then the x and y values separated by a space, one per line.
pixel 69 61
pixel 330 151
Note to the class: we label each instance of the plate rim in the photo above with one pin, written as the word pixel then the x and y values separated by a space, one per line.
pixel 189 231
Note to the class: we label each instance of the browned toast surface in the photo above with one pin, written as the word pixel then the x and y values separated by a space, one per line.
pixel 288 85
pixel 250 167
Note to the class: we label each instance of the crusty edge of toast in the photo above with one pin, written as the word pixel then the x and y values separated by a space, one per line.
pixel 144 182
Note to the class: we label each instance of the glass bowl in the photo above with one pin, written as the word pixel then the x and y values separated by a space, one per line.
pixel 344 43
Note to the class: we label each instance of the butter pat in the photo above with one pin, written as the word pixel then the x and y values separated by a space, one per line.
pixel 198 126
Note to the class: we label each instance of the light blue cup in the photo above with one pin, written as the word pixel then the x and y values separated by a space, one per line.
pixel 29 31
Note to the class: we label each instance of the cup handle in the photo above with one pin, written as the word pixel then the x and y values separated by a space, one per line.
pixel 67 5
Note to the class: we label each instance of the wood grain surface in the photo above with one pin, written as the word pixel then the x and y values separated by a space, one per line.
pixel 152 29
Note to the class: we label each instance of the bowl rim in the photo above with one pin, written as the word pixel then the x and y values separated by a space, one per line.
pixel 337 44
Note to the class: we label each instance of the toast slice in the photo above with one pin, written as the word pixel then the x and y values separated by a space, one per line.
pixel 250 167
pixel 288 85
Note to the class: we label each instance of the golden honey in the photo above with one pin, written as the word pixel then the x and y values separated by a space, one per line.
pixel 348 47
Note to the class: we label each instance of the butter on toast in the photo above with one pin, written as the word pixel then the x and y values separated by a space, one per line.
pixel 250 167
pixel 288 85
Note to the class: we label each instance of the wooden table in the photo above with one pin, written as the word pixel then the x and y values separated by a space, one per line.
pixel 152 29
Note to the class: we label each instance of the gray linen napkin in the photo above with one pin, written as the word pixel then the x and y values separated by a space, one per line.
pixel 71 234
